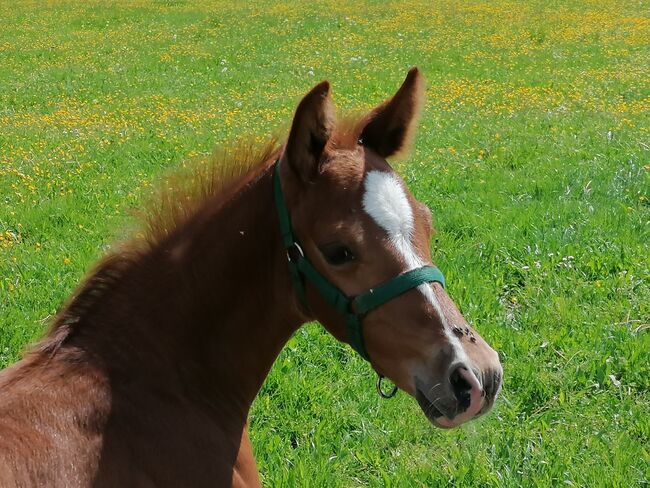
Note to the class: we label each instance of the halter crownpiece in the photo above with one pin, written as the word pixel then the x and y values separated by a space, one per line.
pixel 353 309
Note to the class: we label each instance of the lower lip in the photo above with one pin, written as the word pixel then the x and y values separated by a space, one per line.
pixel 436 417
pixel 429 408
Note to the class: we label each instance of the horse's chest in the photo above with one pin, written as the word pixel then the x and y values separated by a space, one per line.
pixel 171 447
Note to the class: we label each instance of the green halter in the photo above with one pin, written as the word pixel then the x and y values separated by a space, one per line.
pixel 352 308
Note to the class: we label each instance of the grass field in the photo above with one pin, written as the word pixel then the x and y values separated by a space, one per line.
pixel 533 154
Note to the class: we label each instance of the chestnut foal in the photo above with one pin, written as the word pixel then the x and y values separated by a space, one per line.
pixel 147 375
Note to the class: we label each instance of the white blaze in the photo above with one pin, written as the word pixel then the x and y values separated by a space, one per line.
pixel 386 202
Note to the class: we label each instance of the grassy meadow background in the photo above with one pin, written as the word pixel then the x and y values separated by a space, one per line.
pixel 533 154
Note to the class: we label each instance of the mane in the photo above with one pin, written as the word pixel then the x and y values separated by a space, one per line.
pixel 188 189
pixel 177 198
pixel 104 276
pixel 347 131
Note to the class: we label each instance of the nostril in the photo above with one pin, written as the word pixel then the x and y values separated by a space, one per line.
pixel 461 387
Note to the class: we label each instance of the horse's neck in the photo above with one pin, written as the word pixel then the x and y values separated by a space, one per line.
pixel 210 308
pixel 239 292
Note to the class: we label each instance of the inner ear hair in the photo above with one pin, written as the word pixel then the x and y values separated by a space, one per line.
pixel 317 144
pixel 389 129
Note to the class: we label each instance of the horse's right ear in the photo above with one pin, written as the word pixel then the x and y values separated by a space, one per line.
pixel 311 129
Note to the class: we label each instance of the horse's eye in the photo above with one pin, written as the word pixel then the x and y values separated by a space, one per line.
pixel 337 254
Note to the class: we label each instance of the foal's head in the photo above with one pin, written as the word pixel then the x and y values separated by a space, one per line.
pixel 360 226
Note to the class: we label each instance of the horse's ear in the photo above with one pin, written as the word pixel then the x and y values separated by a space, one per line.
pixel 311 129
pixel 389 128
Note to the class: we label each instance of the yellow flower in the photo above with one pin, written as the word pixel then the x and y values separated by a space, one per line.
pixel 598 283
pixel 66 260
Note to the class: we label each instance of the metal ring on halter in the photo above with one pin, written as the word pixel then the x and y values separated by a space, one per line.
pixel 392 393
pixel 297 247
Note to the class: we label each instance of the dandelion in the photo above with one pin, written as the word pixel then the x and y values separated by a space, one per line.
pixel 66 260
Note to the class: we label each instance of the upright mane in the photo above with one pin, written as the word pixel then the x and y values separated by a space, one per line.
pixel 179 196
pixel 188 189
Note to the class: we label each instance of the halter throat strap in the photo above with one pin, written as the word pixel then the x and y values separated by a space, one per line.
pixel 353 309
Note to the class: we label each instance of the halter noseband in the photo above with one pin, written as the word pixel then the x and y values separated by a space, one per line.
pixel 353 309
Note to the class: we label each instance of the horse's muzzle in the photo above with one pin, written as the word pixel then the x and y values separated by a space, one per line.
pixel 462 396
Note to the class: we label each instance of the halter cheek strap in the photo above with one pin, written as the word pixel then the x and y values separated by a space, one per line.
pixel 353 309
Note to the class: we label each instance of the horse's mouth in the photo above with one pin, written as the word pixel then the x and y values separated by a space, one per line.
pixel 444 420
pixel 429 409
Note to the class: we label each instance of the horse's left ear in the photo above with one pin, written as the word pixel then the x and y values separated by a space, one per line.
pixel 389 128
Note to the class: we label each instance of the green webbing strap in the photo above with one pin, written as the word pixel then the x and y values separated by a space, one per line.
pixel 397 286
pixel 301 269
pixel 328 291
pixel 283 214
pixel 355 334
pixel 383 293
pixel 289 241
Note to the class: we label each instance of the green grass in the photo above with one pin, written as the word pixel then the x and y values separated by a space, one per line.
pixel 533 154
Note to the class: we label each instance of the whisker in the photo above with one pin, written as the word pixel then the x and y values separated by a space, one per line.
pixel 431 390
